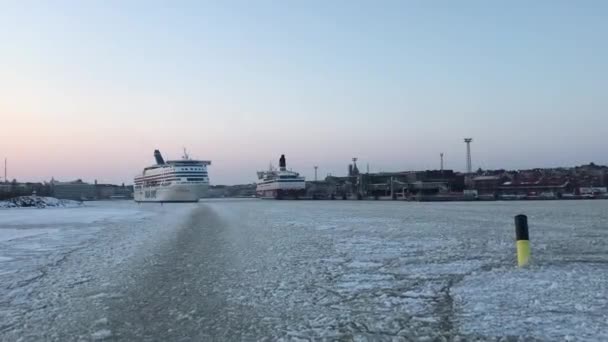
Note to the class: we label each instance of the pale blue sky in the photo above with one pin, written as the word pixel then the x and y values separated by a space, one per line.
pixel 240 82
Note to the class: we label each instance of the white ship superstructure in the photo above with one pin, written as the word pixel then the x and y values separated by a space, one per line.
pixel 184 180
pixel 280 183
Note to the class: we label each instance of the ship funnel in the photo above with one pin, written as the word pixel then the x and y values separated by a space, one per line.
pixel 282 163
pixel 158 157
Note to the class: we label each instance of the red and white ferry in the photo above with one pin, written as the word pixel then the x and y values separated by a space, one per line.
pixel 280 184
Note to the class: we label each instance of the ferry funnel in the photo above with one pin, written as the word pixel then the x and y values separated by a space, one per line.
pixel 282 163
pixel 158 157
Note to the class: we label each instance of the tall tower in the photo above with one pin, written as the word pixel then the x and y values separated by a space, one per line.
pixel 469 164
pixel 5 179
pixel 355 169
pixel 441 165
pixel 316 167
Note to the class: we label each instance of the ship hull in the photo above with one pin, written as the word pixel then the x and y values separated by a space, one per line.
pixel 281 194
pixel 170 193
pixel 201 190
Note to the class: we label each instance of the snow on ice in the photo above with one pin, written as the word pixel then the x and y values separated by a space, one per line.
pixel 37 202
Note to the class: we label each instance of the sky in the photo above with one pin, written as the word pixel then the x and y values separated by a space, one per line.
pixel 88 89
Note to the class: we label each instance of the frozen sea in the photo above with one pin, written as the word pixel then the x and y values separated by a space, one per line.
pixel 234 270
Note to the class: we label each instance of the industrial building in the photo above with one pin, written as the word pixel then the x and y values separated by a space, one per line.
pixel 74 190
pixel 113 191
pixel 403 184
pixel 82 191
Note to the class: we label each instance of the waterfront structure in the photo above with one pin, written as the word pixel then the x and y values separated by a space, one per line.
pixel 238 191
pixel 5 187
pixel 113 191
pixel 488 184
pixel 593 191
pixel 184 180
pixel 280 184
pixel 15 189
pixel 403 184
pixel 543 183
pixel 549 189
pixel 74 190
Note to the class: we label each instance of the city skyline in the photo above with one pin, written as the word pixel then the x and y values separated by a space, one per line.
pixel 90 90
pixel 304 171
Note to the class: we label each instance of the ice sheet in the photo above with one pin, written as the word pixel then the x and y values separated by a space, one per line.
pixel 249 270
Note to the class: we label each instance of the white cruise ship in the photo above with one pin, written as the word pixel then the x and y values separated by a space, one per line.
pixel 184 180
pixel 280 184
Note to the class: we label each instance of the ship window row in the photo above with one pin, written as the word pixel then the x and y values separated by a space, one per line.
pixel 174 172
pixel 190 173
pixel 171 177
pixel 176 179
pixel 178 172
pixel 173 180
pixel 268 181
pixel 155 180
pixel 181 171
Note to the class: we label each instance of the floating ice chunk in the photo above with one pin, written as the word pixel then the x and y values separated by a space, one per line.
pixel 101 321
pixel 363 264
pixel 101 334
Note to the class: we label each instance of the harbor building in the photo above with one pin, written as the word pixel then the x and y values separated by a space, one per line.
pixel 402 184
pixel 74 190
pixel 81 191
pixel 113 191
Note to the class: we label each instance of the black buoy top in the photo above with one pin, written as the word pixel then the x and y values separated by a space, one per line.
pixel 521 227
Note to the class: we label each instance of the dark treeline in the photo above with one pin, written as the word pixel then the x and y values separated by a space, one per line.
pixel 15 189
